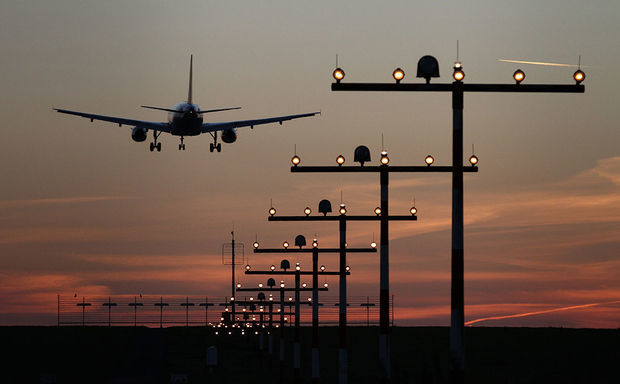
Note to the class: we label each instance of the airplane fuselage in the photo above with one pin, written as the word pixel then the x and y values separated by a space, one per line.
pixel 185 121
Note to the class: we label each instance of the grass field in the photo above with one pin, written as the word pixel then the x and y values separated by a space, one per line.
pixel 419 355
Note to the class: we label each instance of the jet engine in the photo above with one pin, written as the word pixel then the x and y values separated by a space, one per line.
pixel 229 135
pixel 138 134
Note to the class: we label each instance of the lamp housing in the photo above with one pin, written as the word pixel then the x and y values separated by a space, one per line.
pixel 300 241
pixel 338 74
pixel 325 207
pixel 428 67
pixel 361 155
pixel 285 264
pixel 579 76
pixel 519 76
pixel 458 73
pixel 398 75
pixel 473 160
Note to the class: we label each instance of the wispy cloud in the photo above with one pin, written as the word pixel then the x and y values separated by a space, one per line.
pixel 472 322
pixel 540 63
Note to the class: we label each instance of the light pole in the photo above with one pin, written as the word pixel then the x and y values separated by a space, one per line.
pixel 83 304
pixel 161 306
pixel 362 155
pixel 300 241
pixel 428 67
pixel 342 218
pixel 206 304
pixel 367 304
pixel 135 306
pixel 232 248
pixel 187 304
pixel 109 304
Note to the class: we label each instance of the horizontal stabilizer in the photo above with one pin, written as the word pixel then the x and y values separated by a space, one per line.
pixel 218 110
pixel 159 108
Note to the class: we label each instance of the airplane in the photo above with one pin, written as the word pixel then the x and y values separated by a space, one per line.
pixel 185 119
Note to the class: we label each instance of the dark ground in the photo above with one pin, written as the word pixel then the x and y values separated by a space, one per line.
pixel 420 355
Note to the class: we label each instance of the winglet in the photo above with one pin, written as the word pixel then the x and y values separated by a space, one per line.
pixel 189 92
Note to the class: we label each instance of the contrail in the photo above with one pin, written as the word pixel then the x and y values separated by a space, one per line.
pixel 539 63
pixel 471 322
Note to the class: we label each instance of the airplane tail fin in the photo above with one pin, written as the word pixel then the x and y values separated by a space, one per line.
pixel 189 92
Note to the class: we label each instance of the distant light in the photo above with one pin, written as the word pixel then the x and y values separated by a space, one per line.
pixel 238 286
pixel 290 299
pixel 413 210
pixel 285 244
pixel 347 268
pixel 519 75
pixel 325 285
pixel 273 267
pixel 315 243
pixel 322 268
pixel 343 209
pixel 579 76
pixel 373 244
pixel 260 285
pixel 247 267
pixel 272 211
pixel 304 285
pixel 295 160
pixel 458 73
pixel 473 159
pixel 340 160
pixel 377 211
pixel 398 75
pixel 307 211
pixel 297 267
pixel 309 298
pixel 281 284
pixel 384 158
pixel 338 74
pixel 256 245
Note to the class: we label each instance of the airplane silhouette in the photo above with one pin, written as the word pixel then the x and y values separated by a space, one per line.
pixel 185 119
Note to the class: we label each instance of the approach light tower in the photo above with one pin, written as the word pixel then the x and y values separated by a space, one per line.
pixel 232 254
pixel 428 68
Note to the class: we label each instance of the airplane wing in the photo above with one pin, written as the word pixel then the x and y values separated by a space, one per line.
pixel 157 126
pixel 213 127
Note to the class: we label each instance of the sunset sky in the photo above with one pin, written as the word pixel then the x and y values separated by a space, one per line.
pixel 84 209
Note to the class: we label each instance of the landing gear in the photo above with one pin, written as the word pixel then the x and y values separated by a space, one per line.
pixel 181 146
pixel 215 145
pixel 155 145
